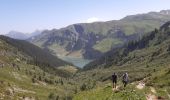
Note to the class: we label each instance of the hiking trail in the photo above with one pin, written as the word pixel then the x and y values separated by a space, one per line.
pixel 117 88
pixel 153 90
pixel 151 97
pixel 140 85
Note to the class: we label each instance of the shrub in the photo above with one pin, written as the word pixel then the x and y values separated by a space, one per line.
pixel 51 96
pixel 40 78
pixel 33 80
pixel 83 87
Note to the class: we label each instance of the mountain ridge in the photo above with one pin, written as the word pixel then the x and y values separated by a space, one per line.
pixel 92 40
pixel 122 55
pixel 21 35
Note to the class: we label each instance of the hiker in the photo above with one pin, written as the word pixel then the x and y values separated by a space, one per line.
pixel 114 80
pixel 125 79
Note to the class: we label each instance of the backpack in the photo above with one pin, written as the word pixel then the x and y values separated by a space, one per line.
pixel 125 77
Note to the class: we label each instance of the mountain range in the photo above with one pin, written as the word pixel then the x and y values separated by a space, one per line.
pixel 84 42
pixel 22 36
pixel 92 40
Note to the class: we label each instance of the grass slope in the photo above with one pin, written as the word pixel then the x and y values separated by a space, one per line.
pixel 156 86
pixel 148 63
pixel 21 80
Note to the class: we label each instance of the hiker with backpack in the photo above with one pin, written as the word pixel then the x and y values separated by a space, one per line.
pixel 114 80
pixel 125 79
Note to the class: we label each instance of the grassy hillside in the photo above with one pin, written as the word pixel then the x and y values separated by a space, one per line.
pixel 101 46
pixel 154 45
pixel 147 63
pixel 37 56
pixel 21 80
pixel 155 86
pixel 28 81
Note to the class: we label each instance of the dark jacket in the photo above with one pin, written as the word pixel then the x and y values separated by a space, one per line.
pixel 114 77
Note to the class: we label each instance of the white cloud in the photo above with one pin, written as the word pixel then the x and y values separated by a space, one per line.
pixel 92 19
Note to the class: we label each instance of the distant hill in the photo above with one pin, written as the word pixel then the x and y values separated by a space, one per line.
pixel 17 35
pixel 22 36
pixel 92 40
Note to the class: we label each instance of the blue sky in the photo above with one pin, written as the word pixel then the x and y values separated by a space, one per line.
pixel 29 15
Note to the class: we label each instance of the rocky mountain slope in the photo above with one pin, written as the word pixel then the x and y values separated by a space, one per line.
pixel 91 40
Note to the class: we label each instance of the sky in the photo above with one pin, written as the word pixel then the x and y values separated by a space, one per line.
pixel 30 15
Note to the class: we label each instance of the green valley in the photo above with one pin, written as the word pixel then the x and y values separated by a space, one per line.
pixel 78 62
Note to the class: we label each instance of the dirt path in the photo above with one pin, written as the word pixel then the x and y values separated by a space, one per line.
pixel 140 85
pixel 16 89
pixel 28 98
pixel 169 96
pixel 117 88
pixel 151 97
pixel 153 90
